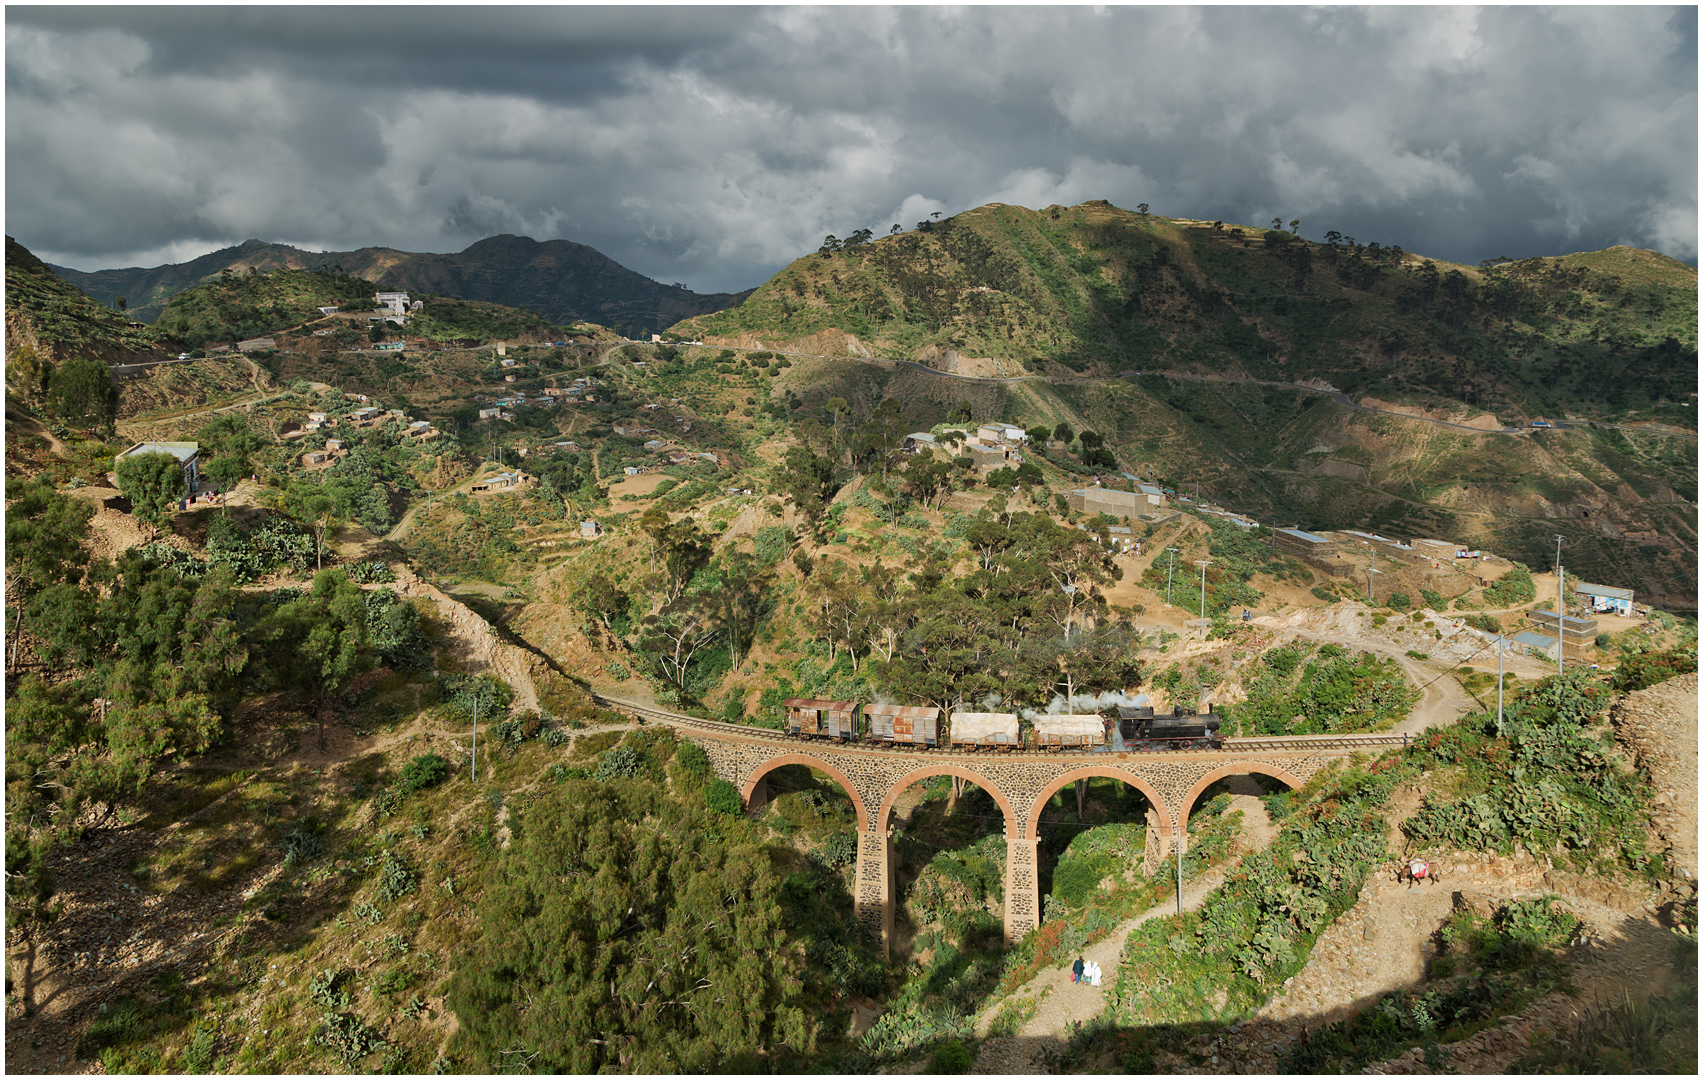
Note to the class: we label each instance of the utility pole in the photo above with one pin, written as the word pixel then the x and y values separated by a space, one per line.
pixel 1203 563
pixel 1179 847
pixel 1369 572
pixel 1501 647
pixel 1560 611
pixel 475 736
pixel 1168 571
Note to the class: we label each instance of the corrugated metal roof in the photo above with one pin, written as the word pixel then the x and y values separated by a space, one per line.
pixel 1528 637
pixel 1603 590
pixel 920 712
pixel 814 703
pixel 182 451
pixel 1312 537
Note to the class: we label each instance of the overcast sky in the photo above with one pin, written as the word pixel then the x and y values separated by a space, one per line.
pixel 712 146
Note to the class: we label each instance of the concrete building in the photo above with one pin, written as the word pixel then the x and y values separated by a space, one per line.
pixel 1573 630
pixel 1534 644
pixel 1298 542
pixel 188 455
pixel 395 302
pixel 504 481
pixel 1606 599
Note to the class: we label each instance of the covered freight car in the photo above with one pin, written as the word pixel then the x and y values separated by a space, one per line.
pixel 914 724
pixel 809 716
pixel 1070 729
pixel 973 729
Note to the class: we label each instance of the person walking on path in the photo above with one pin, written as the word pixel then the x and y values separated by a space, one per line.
pixel 1076 970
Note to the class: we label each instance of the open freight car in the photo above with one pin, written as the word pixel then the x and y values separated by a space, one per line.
pixel 1143 730
pixel 977 729
pixel 1070 729
pixel 827 719
pixel 917 725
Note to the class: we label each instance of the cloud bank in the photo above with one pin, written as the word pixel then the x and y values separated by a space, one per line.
pixel 713 145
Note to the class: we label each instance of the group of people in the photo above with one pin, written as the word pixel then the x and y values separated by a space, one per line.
pixel 1087 971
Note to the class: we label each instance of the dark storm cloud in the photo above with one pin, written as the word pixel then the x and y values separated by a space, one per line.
pixel 713 145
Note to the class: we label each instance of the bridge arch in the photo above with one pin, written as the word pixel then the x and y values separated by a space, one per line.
pixel 761 772
pixel 898 786
pixel 1088 772
pixel 1235 768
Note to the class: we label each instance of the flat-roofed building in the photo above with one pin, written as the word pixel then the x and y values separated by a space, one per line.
pixel 1301 542
pixel 1535 644
pixel 1573 629
pixel 188 455
pixel 1606 599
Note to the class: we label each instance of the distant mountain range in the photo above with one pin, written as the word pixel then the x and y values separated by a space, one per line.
pixel 560 280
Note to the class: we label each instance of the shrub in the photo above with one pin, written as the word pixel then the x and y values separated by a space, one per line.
pixel 329 989
pixel 370 572
pixel 1648 669
pixel 518 729
pixel 1399 601
pixel 347 1037
pixel 1434 600
pixel 692 759
pixel 426 770
pixel 950 1056
pixel 721 795
pixel 303 842
pixel 1324 594
pixel 1605 640
pixel 619 763
pixel 396 878
pixel 1514 587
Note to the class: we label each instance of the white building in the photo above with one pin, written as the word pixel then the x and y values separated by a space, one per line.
pixel 396 302
pixel 1606 598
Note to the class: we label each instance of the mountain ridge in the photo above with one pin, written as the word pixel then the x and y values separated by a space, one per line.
pixel 1094 289
pixel 561 280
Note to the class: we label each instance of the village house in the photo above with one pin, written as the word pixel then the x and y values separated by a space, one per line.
pixel 188 455
pixel 504 481
pixel 590 529
pixel 1297 542
pixel 395 302
pixel 1606 599
pixel 329 310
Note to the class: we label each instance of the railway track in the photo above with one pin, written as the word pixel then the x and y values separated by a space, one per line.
pixel 1232 745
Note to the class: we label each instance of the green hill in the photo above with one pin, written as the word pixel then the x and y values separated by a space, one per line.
pixel 234 306
pixel 1095 289
pixel 562 281
pixel 57 319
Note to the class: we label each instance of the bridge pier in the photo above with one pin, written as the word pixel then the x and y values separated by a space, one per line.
pixel 1022 886
pixel 874 889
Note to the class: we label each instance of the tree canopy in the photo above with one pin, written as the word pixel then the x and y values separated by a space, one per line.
pixel 153 483
pixel 629 932
pixel 81 392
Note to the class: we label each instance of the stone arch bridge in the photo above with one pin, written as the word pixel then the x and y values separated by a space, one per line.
pixel 1021 783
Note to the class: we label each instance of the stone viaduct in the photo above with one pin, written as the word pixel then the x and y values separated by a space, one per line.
pixel 1021 783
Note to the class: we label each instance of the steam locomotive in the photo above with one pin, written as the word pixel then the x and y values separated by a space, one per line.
pixel 1133 728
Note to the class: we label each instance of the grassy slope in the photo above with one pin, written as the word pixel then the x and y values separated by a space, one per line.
pixel 1096 289
pixel 58 320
